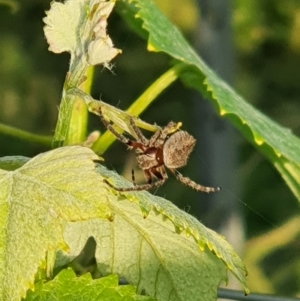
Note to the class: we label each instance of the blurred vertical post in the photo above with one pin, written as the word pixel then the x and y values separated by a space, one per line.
pixel 217 140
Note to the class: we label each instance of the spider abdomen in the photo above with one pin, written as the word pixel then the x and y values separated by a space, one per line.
pixel 177 149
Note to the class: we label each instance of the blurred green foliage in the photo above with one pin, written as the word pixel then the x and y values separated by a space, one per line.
pixel 268 59
pixel 267 41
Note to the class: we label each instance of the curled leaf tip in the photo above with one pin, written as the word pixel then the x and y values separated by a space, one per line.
pixel 79 27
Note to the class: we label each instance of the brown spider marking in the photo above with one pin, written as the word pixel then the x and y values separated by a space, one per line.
pixel 158 152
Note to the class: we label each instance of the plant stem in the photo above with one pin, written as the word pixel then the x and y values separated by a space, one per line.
pixel 154 90
pixel 24 135
pixel 74 78
pixel 79 117
pixel 237 295
pixel 104 142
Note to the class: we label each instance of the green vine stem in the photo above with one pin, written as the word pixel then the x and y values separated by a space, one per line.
pixel 139 106
pixel 24 135
pixel 77 131
pixel 66 124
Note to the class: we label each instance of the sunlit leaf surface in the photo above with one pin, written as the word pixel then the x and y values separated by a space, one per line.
pixel 79 27
pixel 58 200
pixel 36 201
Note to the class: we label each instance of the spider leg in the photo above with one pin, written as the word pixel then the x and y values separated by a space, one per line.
pixel 159 137
pixel 192 184
pixel 160 173
pixel 141 138
pixel 162 176
pixel 136 187
pixel 122 138
pixel 147 175
pixel 156 140
pixel 133 177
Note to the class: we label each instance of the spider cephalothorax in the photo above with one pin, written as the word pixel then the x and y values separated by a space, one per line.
pixel 158 152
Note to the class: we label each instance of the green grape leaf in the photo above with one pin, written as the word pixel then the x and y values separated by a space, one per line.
pixel 79 27
pixel 57 200
pixel 151 255
pixel 66 287
pixel 36 201
pixel 157 247
pixel 277 143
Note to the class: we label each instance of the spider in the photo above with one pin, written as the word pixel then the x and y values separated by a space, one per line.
pixel 156 153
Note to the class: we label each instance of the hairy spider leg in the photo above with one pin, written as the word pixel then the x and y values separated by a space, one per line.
pixel 141 138
pixel 159 137
pixel 122 138
pixel 160 175
pixel 133 177
pixel 188 182
pixel 159 172
pixel 137 187
pixel 147 176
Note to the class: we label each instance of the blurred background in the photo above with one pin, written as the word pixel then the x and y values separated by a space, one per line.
pixel 254 45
